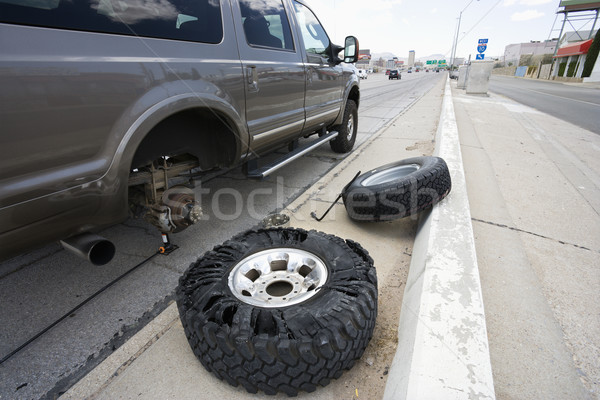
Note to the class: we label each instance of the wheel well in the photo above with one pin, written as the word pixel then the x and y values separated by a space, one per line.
pixel 354 95
pixel 200 132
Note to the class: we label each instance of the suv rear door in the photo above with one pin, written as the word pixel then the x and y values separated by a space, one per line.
pixel 274 73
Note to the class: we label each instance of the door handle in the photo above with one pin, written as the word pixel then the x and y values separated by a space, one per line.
pixel 252 77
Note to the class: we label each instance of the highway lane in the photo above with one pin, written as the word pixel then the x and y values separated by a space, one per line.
pixel 575 104
pixel 40 287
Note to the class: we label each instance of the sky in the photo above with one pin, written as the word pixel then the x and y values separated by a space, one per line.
pixel 429 26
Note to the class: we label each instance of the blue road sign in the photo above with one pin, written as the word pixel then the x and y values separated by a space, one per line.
pixel 483 41
pixel 481 48
pixel 479 56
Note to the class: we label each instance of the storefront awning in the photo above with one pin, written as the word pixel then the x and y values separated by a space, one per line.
pixel 574 49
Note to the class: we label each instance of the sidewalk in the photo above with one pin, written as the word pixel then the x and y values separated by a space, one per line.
pixel 534 189
pixel 158 363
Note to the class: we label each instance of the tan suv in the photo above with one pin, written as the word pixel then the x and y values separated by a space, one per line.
pixel 105 102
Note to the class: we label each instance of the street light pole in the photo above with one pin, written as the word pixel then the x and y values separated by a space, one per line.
pixel 457 31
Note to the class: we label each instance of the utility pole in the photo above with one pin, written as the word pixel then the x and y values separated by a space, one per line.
pixel 457 31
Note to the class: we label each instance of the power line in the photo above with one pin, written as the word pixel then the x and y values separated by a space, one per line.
pixel 482 18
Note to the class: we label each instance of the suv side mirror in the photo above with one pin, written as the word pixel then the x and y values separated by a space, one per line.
pixel 350 49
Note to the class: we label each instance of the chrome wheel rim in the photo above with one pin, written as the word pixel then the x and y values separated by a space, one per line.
pixel 390 174
pixel 277 277
pixel 350 127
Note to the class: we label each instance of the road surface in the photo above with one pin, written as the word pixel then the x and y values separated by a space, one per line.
pixel 575 104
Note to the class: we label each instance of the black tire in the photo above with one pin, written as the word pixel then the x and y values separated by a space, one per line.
pixel 344 142
pixel 281 348
pixel 397 190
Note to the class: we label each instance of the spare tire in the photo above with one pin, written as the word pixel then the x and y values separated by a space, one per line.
pixel 279 310
pixel 397 190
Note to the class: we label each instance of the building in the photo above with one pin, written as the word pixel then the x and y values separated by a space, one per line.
pixel 570 59
pixel 570 37
pixel 411 58
pixel 570 55
pixel 364 59
pixel 513 52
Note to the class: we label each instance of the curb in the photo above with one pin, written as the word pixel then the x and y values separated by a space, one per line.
pixel 443 351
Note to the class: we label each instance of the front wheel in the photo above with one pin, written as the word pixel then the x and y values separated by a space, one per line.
pixel 344 142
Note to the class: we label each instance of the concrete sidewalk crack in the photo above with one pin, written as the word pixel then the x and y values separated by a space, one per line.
pixel 534 234
pixel 472 147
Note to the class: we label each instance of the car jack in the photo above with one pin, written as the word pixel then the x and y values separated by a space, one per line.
pixel 167 247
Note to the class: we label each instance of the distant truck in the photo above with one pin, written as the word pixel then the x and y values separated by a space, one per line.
pixel 104 103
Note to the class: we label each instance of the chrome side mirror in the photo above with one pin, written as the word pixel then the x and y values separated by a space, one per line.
pixel 351 49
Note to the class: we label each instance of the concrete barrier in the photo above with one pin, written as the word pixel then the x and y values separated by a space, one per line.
pixel 443 352
pixel 479 77
pixel 463 71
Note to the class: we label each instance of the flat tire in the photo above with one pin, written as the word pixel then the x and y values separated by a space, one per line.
pixel 279 310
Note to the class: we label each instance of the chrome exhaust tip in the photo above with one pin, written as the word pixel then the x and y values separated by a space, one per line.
pixel 91 247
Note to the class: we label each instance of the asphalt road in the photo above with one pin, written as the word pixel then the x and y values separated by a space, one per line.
pixel 84 312
pixel 575 104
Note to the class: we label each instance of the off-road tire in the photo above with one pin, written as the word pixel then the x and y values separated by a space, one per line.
pixel 280 349
pixel 344 142
pixel 397 190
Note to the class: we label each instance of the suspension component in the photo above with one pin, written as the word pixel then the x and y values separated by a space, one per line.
pixel 170 209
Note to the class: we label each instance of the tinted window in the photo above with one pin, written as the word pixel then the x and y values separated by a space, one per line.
pixel 169 19
pixel 316 40
pixel 266 24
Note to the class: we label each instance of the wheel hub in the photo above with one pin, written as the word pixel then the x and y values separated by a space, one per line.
pixel 350 128
pixel 277 277
pixel 390 175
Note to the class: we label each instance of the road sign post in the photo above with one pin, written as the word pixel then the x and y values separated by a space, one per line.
pixel 481 48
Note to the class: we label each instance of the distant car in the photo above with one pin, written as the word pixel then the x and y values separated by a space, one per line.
pixel 362 74
pixel 387 72
pixel 409 71
pixel 454 74
pixel 394 74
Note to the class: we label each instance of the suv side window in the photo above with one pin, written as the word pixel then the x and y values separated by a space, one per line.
pixel 266 24
pixel 316 40
pixel 198 21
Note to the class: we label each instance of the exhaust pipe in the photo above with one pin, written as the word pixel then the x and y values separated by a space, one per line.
pixel 91 247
